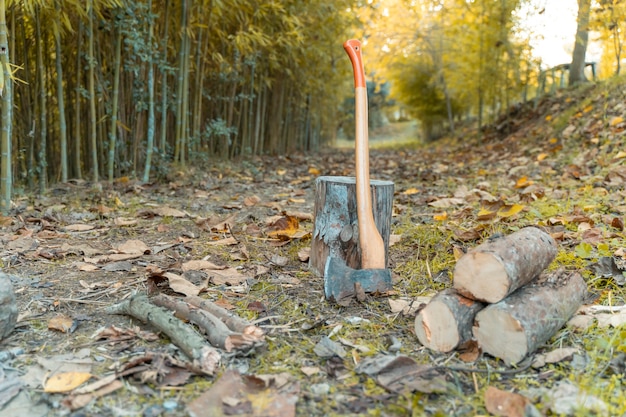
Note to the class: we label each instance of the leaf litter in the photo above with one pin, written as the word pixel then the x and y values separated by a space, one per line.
pixel 241 241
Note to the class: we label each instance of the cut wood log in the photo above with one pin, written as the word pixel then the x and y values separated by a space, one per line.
pixel 446 322
pixel 205 357
pixel 215 330
pixel 8 306
pixel 335 232
pixel 519 324
pixel 491 271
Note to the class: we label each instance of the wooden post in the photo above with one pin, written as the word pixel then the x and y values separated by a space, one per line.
pixel 335 232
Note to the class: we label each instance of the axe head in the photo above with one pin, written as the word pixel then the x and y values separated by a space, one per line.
pixel 342 282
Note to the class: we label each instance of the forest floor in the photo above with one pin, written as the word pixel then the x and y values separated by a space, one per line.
pixel 238 235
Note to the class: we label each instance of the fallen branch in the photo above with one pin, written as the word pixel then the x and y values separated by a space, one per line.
pixel 496 268
pixel 519 324
pixel 203 356
pixel 233 321
pixel 216 331
pixel 446 322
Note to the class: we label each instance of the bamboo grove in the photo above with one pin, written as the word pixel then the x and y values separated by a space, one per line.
pixel 110 88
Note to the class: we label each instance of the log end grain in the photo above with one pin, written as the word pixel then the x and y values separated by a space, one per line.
pixel 481 276
pixel 435 328
pixel 500 335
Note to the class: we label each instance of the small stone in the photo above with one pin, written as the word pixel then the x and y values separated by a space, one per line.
pixel 170 405
pixel 320 389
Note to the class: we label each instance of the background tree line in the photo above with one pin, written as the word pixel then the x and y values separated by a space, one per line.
pixel 109 88
pixel 100 89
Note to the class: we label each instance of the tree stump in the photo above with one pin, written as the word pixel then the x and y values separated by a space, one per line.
pixel 496 268
pixel 446 322
pixel 8 306
pixel 519 324
pixel 335 231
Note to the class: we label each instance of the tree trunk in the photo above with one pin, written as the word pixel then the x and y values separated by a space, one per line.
pixel 164 101
pixel 496 268
pixel 92 97
pixel 151 120
pixel 577 68
pixel 519 324
pixel 182 58
pixel 446 322
pixel 117 62
pixel 6 87
pixel 77 125
pixel 41 71
pixel 60 92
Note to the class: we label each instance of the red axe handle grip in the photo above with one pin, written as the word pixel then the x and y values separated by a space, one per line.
pixel 370 240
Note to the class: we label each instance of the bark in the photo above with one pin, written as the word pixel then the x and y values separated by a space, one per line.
pixel 193 345
pixel 217 332
pixel 335 232
pixel 77 124
pixel 60 93
pixel 234 322
pixel 446 322
pixel 151 119
pixel 6 87
pixel 577 68
pixel 519 324
pixel 42 157
pixel 92 96
pixel 496 268
pixel 114 105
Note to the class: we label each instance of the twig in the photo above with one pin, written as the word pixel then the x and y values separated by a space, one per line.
pixel 216 331
pixel 204 356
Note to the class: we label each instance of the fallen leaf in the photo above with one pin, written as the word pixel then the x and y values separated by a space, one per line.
pixel 233 394
pixel 401 373
pixel 180 284
pixel 304 254
pixel 62 323
pixel 523 182
pixel 79 227
pixel 504 403
pixel 169 212
pixel 411 191
pixel 616 120
pixel 66 381
pixel 251 201
pixel 508 211
pixel 284 227
pixel 133 246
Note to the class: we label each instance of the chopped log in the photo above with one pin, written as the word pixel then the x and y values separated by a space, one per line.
pixel 233 321
pixel 446 322
pixel 499 266
pixel 8 306
pixel 519 324
pixel 335 232
pixel 216 331
pixel 204 357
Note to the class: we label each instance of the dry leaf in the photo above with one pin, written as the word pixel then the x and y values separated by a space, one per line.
pixel 123 221
pixel 180 284
pixel 505 404
pixel 508 211
pixel 79 227
pixel 284 227
pixel 199 265
pixel 251 201
pixel 62 323
pixel 133 246
pixel 65 381
pixel 304 254
pixel 229 241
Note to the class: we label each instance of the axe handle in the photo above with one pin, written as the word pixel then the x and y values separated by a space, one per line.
pixel 370 240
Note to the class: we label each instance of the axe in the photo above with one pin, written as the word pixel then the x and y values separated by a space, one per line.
pixel 340 281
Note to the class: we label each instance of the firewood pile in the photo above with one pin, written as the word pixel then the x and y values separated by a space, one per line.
pixel 501 298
